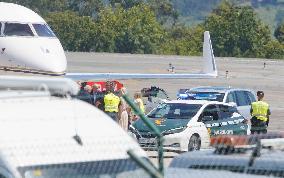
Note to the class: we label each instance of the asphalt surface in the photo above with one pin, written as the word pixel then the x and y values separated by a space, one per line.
pixel 242 73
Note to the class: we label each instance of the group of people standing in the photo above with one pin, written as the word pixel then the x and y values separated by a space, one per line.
pixel 111 102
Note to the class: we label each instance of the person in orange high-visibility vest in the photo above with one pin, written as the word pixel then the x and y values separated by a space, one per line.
pixel 111 101
pixel 260 115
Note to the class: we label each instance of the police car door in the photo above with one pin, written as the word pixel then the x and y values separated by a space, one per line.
pixel 243 103
pixel 210 118
pixel 231 122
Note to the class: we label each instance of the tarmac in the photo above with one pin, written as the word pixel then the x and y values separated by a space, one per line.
pixel 255 74
pixel 251 73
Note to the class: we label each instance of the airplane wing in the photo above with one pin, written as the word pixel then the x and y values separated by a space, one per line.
pixel 209 69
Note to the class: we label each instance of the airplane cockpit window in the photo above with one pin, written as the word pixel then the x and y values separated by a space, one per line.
pixel 43 30
pixel 16 29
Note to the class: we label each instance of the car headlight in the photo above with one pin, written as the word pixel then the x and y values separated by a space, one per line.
pixel 134 131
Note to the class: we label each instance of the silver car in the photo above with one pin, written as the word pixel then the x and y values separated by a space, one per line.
pixel 240 97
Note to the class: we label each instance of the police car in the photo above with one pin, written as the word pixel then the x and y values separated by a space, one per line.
pixel 188 124
pixel 240 97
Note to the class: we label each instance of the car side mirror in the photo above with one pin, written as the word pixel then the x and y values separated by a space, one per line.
pixel 207 118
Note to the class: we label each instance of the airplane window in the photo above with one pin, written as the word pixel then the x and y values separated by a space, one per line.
pixel 43 30
pixel 16 29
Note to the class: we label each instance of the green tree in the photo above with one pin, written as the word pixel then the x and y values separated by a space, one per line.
pixel 86 7
pixel 236 31
pixel 42 6
pixel 274 50
pixel 182 40
pixel 279 33
pixel 141 32
pixel 164 11
pixel 76 33
pixel 134 30
pixel 193 7
pixel 126 4
pixel 108 27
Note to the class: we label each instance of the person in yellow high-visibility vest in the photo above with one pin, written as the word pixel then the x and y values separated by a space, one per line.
pixel 260 115
pixel 111 101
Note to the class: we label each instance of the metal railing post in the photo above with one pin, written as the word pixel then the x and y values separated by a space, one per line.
pixel 156 131
pixel 145 165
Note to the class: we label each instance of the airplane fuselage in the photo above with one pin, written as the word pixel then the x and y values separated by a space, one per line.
pixel 27 42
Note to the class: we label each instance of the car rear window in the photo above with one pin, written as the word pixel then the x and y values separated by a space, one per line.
pixel 242 98
pixel 175 111
pixel 250 96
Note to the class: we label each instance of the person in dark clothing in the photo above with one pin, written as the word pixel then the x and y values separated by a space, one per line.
pixel 98 96
pixel 86 94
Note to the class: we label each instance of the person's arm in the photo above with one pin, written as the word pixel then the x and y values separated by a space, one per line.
pixel 268 114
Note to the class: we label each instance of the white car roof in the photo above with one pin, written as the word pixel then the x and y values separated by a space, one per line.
pixel 16 13
pixel 218 89
pixel 202 102
pixel 39 130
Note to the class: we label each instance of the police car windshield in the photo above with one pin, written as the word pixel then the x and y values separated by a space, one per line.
pixel 211 96
pixel 175 111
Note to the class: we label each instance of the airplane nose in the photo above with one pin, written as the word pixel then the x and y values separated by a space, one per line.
pixel 58 63
pixel 39 54
pixel 55 59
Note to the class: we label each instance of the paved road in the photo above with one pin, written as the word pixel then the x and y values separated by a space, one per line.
pixel 244 73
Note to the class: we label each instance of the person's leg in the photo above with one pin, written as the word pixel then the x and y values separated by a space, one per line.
pixel 264 131
pixel 253 129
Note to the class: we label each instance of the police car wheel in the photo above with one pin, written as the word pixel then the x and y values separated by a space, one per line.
pixel 194 143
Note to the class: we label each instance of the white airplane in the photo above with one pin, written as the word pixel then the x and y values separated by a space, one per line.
pixel 27 44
